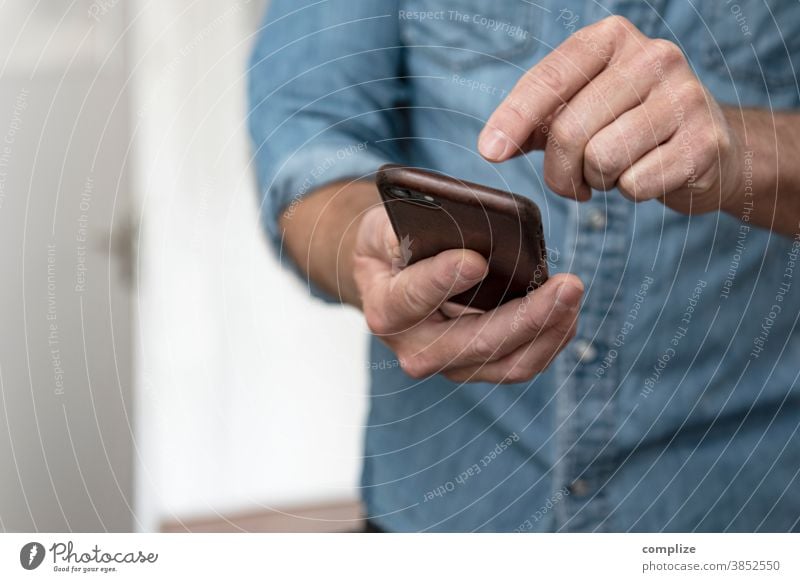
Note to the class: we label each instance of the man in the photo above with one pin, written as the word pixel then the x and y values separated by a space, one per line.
pixel 675 406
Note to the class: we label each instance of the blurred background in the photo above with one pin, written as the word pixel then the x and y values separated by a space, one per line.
pixel 158 371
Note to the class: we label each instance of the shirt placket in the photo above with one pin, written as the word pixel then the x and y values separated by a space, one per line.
pixel 587 417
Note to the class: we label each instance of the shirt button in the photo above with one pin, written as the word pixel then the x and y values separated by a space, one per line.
pixel 584 351
pixel 579 487
pixel 596 219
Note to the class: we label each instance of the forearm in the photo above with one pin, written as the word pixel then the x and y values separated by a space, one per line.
pixel 767 191
pixel 320 233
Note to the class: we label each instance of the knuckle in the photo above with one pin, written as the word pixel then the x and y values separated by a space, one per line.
pixel 565 132
pixel 620 22
pixel 664 51
pixel 513 377
pixel 408 297
pixel 705 172
pixel 481 348
pixel 615 24
pixel 536 321
pixel 413 296
pixel 693 94
pixel 441 285
pixel 600 164
pixel 555 182
pixel 707 145
pixel 520 374
pixel 377 321
pixel 603 162
pixel 626 184
pixel 724 141
pixel 593 160
pixel 416 366
pixel 545 76
pixel 704 184
pixel 520 109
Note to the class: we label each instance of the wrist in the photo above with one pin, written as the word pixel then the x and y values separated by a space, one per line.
pixel 345 266
pixel 341 222
pixel 736 187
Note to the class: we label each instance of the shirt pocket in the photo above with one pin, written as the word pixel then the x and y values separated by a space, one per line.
pixel 752 42
pixel 464 34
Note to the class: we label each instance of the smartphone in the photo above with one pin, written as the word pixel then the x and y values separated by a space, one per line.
pixel 431 213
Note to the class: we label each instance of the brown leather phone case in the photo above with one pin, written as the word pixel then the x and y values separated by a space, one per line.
pixel 431 213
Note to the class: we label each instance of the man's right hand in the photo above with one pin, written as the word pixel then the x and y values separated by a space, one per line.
pixel 509 344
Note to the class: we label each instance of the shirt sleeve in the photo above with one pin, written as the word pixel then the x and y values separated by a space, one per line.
pixel 325 91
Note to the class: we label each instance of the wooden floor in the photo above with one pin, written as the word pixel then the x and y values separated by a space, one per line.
pixel 344 516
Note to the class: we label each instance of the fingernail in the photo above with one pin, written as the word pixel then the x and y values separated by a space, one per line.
pixel 467 270
pixel 569 295
pixel 493 144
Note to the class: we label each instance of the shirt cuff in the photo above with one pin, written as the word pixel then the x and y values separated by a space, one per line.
pixel 302 174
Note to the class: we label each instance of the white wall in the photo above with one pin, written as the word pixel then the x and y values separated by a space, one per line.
pixel 65 341
pixel 249 394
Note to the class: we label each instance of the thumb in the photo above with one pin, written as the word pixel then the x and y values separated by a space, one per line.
pixel 420 289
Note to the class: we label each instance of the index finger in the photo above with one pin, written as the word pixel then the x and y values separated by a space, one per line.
pixel 550 84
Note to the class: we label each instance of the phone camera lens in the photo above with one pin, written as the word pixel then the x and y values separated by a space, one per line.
pixel 400 193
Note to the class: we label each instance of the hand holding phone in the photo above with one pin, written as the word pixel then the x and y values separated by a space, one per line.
pixel 507 344
pixel 432 213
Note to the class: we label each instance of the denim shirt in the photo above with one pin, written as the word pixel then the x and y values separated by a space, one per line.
pixel 676 406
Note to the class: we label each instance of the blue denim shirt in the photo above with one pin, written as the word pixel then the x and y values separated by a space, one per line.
pixel 676 407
